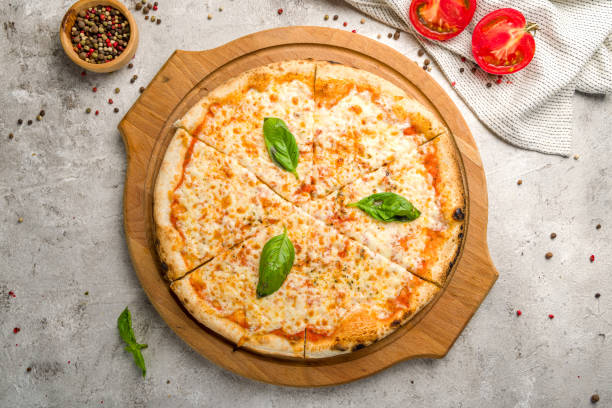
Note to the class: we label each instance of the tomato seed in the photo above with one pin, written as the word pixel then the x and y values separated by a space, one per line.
pixel 461 70
pixel 335 17
pixel 597 295
pixel 519 182
pixel 594 398
pixel 598 226
pixel 20 121
pixel 553 235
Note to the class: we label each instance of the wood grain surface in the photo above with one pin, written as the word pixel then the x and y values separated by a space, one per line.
pixel 188 76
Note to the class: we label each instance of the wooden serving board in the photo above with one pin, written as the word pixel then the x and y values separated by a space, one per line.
pixel 188 76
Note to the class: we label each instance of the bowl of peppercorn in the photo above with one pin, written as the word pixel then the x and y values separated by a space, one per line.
pixel 99 35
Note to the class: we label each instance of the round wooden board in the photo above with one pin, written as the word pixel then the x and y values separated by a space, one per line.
pixel 188 76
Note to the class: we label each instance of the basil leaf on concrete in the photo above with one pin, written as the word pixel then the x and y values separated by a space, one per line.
pixel 275 262
pixel 281 144
pixel 387 207
pixel 124 324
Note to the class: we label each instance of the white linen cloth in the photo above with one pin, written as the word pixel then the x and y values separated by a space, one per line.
pixel 534 111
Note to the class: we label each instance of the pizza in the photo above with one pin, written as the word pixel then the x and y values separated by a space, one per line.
pixel 305 209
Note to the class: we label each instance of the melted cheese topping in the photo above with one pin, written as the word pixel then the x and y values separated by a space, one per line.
pixel 356 133
pixel 235 126
pixel 415 244
pixel 219 203
pixel 331 276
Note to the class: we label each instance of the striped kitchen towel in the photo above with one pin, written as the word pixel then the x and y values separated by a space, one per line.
pixel 532 108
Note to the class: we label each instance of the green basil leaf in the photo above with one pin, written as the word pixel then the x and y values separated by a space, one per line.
pixel 387 207
pixel 124 324
pixel 281 144
pixel 275 262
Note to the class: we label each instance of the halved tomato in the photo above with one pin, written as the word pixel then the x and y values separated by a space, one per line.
pixel 441 19
pixel 502 42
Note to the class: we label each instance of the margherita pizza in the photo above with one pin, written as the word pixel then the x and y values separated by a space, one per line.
pixel 306 209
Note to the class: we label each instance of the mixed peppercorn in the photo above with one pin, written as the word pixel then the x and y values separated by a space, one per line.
pixel 100 34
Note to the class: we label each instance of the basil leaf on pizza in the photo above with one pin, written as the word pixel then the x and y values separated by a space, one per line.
pixel 281 144
pixel 275 262
pixel 124 324
pixel 387 207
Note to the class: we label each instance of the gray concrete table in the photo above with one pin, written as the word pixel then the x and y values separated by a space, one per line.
pixel 68 267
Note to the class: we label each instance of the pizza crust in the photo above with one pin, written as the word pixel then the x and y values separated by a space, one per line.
pixel 452 196
pixel 168 178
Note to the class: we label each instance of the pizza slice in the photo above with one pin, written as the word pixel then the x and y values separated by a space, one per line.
pixel 355 297
pixel 222 295
pixel 206 202
pixel 430 179
pixel 231 119
pixel 362 122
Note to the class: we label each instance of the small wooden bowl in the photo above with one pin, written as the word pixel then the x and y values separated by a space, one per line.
pixel 69 20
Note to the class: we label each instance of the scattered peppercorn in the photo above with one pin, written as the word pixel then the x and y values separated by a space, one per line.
pixel 326 17
pixel 146 17
pixel 362 21
pixel 20 220
pixel 42 113
pixel 473 70
pixel 117 90
pixel 11 135
pixel 38 118
pixel 168 382
pixel 519 182
pixel 138 6
pixel 29 369
pixel 209 16
pixel 489 84
pixel 420 52
pixel 280 11
pixel 130 65
pixel 427 61
pixel 16 330
pixel 597 295
pixel 141 90
pixel 20 121
pixel 425 67
pixel 389 35
pixel 592 258
pixel 551 316
pixel 29 122
pixel 158 21
pixel 553 235
pixel 461 70
pixel 100 34
pixel 116 110
pixel 396 36
pixel 88 110
pixel 576 157
pixel 335 17
pixel 548 255
pixel 598 226
pixel 378 36
pixel 594 398
pixel 87 293
pixel 518 313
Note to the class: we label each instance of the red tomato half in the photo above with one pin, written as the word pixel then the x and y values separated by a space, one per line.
pixel 441 19
pixel 502 42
